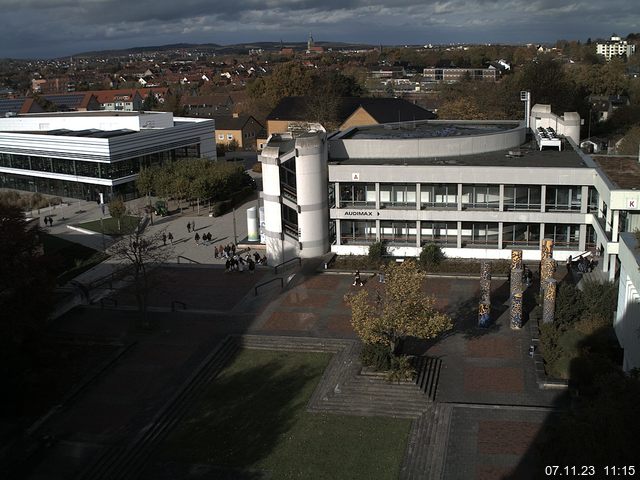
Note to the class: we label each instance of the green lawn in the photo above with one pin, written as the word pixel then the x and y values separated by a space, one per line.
pixel 69 259
pixel 128 225
pixel 253 417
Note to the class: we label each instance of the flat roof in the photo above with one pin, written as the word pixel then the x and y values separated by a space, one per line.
pixel 624 172
pixel 527 155
pixel 428 129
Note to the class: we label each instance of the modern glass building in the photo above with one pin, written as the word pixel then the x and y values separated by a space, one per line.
pixel 83 154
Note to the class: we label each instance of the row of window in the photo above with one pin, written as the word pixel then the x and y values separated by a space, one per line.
pixel 81 168
pixel 471 233
pixel 486 197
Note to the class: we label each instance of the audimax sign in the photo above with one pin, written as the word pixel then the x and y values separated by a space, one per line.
pixel 360 213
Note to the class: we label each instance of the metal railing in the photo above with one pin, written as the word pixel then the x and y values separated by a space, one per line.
pixel 255 290
pixel 190 260
pixel 298 259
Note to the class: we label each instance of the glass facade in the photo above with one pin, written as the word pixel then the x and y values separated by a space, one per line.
pixel 481 197
pixel 443 195
pixel 563 235
pixel 357 232
pixel 358 195
pixel 563 198
pixel 399 195
pixel 480 234
pixel 443 233
pixel 522 197
pixel 398 232
pixel 520 235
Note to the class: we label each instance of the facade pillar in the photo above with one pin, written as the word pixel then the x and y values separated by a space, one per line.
pixel 459 245
pixel 615 227
pixel 500 224
pixel 377 195
pixel 459 198
pixel 501 200
pixel 607 227
pixel 418 195
pixel 582 241
pixel 378 237
pixel 543 200
pixel 584 204
pixel 338 232
pixel 418 235
pixel 337 193
pixel 600 207
pixel 612 267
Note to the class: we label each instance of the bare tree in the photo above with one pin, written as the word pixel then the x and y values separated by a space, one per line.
pixel 142 253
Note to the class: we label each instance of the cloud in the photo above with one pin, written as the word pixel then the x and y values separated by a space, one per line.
pixel 61 27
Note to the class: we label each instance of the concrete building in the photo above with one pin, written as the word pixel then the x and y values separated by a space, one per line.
pixel 615 47
pixel 627 320
pixel 242 129
pixel 83 154
pixel 476 188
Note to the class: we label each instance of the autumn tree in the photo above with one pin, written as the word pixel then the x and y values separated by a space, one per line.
pixel 630 144
pixel 117 210
pixel 400 310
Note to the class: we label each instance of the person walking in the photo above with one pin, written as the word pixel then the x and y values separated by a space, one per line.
pixel 189 227
pixel 252 266
pixel 569 262
pixel 357 280
pixel 170 237
pixel 164 238
pixel 215 252
pixel 193 225
pixel 197 237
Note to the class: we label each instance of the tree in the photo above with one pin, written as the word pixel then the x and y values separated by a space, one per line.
pixel 150 102
pixel 117 210
pixel 431 256
pixel 401 310
pixel 25 282
pixel 630 144
pixel 141 253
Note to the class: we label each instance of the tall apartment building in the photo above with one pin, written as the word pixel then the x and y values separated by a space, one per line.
pixel 615 47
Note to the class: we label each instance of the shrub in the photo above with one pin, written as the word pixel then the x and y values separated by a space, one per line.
pixel 401 369
pixel 569 303
pixel 376 356
pixel 377 251
pixel 600 298
pixel 220 208
pixel 431 256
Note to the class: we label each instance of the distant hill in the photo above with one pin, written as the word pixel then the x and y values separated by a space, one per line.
pixel 214 47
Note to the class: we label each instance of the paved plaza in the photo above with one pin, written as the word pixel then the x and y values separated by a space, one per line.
pixel 495 413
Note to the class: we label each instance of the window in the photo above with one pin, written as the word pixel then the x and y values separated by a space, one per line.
pixel 221 136
pixel 439 195
pixel 592 203
pixel 398 232
pixel 564 198
pixel 357 195
pixel 357 232
pixel 563 235
pixel 482 197
pixel 480 234
pixel 439 233
pixel 521 235
pixel 397 195
pixel 229 136
pixel 522 197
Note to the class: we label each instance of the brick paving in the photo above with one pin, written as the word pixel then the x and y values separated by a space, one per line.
pixel 485 367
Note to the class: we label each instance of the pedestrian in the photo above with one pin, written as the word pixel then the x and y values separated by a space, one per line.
pixel 252 266
pixel 233 248
pixel 256 257
pixel 215 252
pixel 569 261
pixel 227 266
pixel 381 277
pixel 189 227
pixel 357 280
pixel 51 221
pixel 170 237
pixel 193 225
pixel 164 238
pixel 197 237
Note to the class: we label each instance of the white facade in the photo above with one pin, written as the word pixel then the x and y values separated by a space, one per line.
pixel 627 319
pixel 81 154
pixel 615 47
pixel 477 189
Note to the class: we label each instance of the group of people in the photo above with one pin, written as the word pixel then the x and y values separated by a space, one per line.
pixel 48 221
pixel 166 237
pixel 236 263
pixel 583 264
pixel 206 238
pixel 227 251
pixel 191 226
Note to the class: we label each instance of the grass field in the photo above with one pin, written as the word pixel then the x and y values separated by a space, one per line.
pixel 128 225
pixel 253 417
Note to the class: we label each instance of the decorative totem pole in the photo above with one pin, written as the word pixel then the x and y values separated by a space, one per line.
pixel 549 304
pixel 517 288
pixel 516 259
pixel 484 309
pixel 515 314
pixel 547 270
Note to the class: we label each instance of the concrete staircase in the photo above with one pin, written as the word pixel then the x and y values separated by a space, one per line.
pixel 427 446
pixel 428 369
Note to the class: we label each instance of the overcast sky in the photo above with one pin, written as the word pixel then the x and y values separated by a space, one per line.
pixel 52 28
